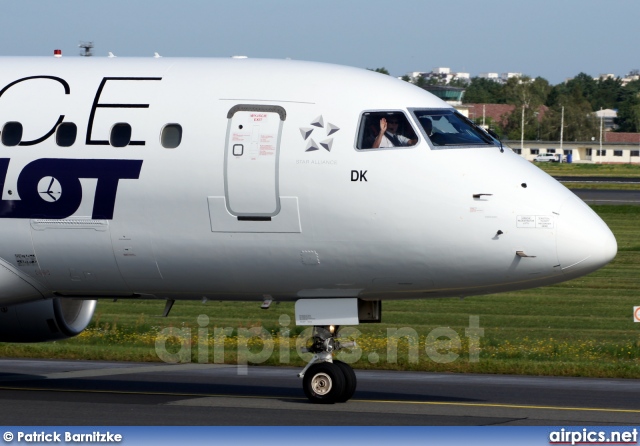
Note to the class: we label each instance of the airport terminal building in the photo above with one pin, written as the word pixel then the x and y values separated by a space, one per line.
pixel 620 148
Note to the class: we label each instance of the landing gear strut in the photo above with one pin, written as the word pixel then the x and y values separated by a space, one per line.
pixel 325 380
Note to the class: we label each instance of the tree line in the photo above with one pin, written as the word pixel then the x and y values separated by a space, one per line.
pixel 580 97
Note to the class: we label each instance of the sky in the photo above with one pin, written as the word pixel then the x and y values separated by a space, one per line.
pixel 554 39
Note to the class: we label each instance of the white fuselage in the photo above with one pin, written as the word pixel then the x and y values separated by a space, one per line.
pixel 304 214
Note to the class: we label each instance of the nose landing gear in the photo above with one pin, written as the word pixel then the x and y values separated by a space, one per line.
pixel 325 380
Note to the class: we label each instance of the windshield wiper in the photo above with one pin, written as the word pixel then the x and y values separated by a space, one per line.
pixel 487 131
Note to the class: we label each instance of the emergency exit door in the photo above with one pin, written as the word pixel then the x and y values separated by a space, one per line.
pixel 251 160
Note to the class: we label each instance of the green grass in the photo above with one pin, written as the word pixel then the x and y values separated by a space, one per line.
pixel 580 169
pixel 583 327
pixel 602 186
pixel 594 170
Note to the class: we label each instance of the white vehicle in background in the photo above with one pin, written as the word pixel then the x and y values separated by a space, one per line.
pixel 548 157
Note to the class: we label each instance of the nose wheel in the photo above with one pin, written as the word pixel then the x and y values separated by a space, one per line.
pixel 324 383
pixel 350 381
pixel 325 380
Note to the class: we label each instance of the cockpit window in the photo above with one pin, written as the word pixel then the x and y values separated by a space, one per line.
pixel 446 127
pixel 383 130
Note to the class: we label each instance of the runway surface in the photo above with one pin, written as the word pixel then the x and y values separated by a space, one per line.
pixel 613 197
pixel 51 392
pixel 604 196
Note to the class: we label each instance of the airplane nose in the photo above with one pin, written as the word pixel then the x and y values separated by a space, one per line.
pixel 584 242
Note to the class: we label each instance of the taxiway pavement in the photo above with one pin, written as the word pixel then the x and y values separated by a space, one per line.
pixel 53 392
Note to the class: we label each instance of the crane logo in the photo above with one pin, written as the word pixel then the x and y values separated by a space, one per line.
pixel 49 189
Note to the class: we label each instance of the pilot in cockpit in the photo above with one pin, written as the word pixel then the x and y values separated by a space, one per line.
pixel 389 136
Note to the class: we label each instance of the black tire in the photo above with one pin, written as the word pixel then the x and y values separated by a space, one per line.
pixel 323 383
pixel 350 382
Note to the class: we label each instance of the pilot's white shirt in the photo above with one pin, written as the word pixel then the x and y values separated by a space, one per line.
pixel 385 142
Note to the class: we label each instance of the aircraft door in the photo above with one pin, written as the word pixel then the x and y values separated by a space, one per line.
pixel 251 160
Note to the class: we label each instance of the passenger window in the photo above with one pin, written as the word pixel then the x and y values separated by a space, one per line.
pixel 171 136
pixel 66 134
pixel 380 130
pixel 120 135
pixel 12 134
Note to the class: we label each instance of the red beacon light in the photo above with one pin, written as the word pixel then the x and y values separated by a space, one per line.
pixel 57 53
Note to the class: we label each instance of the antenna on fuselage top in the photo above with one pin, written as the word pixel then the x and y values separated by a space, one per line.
pixel 87 47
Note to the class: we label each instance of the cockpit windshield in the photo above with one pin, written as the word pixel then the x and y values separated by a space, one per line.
pixel 446 127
